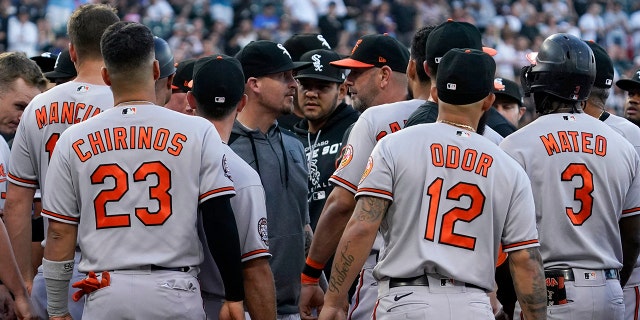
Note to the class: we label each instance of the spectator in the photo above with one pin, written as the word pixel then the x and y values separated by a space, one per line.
pixel 22 34
pixel 267 19
pixel 616 24
pixel 331 25
pixel 591 23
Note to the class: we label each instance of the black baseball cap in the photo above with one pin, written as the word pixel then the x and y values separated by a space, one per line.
pixel 45 61
pixel 164 57
pixel 377 50
pixel 321 67
pixel 301 43
pixel 630 84
pixel 63 68
pixel 449 35
pixel 184 74
pixel 264 57
pixel 509 89
pixel 604 66
pixel 465 76
pixel 217 80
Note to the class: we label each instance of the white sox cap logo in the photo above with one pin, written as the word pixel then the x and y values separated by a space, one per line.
pixel 324 42
pixel 317 64
pixel 284 51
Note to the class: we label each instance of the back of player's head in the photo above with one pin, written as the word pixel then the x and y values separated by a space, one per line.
pixel 164 56
pixel 564 68
pixel 127 47
pixel 86 26
pixel 465 76
pixel 417 52
pixel 217 85
pixel 16 65
pixel 449 35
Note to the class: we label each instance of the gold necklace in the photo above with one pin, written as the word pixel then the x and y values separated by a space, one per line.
pixel 459 125
pixel 134 102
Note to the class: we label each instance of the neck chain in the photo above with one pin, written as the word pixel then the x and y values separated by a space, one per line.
pixel 459 125
pixel 134 102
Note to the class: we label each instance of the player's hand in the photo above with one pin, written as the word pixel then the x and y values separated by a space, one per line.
pixel 24 309
pixel 311 298
pixel 332 313
pixel 501 315
pixel 7 306
pixel 64 317
pixel 232 310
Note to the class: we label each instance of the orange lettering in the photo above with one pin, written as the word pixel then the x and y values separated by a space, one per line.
pixel 82 156
pixel 144 140
pixel 41 117
pixel 394 127
pixel 78 107
pixel 484 164
pixel 437 155
pixel 453 157
pixel 574 139
pixel 564 142
pixel 95 140
pixel 381 135
pixel 107 137
pixel 550 144
pixel 53 113
pixel 67 113
pixel 132 138
pixel 177 141
pixel 601 146
pixel 586 142
pixel 160 142
pixel 120 138
pixel 87 113
pixel 469 159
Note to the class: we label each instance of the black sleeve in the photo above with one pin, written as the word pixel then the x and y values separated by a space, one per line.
pixel 222 237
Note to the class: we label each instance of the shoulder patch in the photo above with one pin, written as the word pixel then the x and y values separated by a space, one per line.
pixel 225 167
pixel 367 169
pixel 262 230
pixel 347 155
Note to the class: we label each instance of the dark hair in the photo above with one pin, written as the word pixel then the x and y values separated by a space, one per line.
pixel 15 65
pixel 215 111
pixel 418 52
pixel 86 26
pixel 127 46
pixel 547 103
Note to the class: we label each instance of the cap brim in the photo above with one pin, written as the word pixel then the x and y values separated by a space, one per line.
pixel 627 84
pixel 319 77
pixel 57 74
pixel 300 65
pixel 490 51
pixel 349 63
pixel 174 87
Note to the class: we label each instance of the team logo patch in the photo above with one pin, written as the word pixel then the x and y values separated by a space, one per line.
pixel 367 169
pixel 225 167
pixel 317 64
pixel 356 46
pixel 284 51
pixel 323 42
pixel 590 275
pixel 262 230
pixel 82 89
pixel 569 118
pixel 347 155
pixel 463 134
pixel 129 111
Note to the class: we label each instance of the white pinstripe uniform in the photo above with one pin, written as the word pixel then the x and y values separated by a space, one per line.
pixel 132 178
pixel 471 197
pixel 588 175
pixel 45 118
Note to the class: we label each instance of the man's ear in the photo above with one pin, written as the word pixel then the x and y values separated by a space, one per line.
pixel 156 70
pixel 242 103
pixel 192 102
pixel 488 102
pixel 105 76
pixel 411 69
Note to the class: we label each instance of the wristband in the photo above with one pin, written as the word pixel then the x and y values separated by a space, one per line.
pixel 312 269
pixel 305 279
pixel 56 276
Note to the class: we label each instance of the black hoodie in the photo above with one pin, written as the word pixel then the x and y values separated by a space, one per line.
pixel 326 145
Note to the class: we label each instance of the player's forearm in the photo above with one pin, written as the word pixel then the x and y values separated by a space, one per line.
pixel 333 219
pixel 528 280
pixel 17 215
pixel 61 241
pixel 630 246
pixel 9 273
pixel 354 248
pixel 259 289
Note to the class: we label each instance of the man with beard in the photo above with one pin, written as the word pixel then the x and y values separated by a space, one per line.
pixel 632 107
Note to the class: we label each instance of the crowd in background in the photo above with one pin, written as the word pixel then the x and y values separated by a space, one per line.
pixel 196 28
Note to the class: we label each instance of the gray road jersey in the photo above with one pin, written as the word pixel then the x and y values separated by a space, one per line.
pixel 132 179
pixel 455 198
pixel 583 176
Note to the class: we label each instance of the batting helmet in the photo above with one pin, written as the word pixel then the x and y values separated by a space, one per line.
pixel 164 57
pixel 564 67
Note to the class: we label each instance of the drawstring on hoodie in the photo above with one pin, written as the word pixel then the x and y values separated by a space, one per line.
pixel 284 155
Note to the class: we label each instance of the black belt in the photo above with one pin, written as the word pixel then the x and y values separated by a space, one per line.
pixel 154 267
pixel 609 274
pixel 420 281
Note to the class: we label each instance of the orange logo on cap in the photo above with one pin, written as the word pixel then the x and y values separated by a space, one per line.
pixel 498 85
pixel 356 46
pixel 381 59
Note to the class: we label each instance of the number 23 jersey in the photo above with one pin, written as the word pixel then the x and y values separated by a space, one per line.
pixel 132 179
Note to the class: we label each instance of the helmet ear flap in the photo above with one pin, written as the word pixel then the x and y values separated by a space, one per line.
pixel 526 79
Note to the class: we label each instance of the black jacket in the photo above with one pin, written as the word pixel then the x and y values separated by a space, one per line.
pixel 326 145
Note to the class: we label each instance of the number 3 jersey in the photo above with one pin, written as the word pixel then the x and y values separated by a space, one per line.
pixel 455 198
pixel 585 177
pixel 132 178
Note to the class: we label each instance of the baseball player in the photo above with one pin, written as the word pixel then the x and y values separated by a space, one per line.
pixel 167 70
pixel 632 107
pixel 180 87
pixel 63 70
pixel 509 102
pixel 138 174
pixel 588 231
pixel 44 119
pixel 217 95
pixel 440 207
pixel 375 122
pixel 595 107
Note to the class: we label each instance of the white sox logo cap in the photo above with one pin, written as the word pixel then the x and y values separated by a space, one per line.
pixel 263 57
pixel 322 69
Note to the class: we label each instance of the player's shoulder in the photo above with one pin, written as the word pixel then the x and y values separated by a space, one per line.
pixel 624 127
pixel 242 174
pixel 384 110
